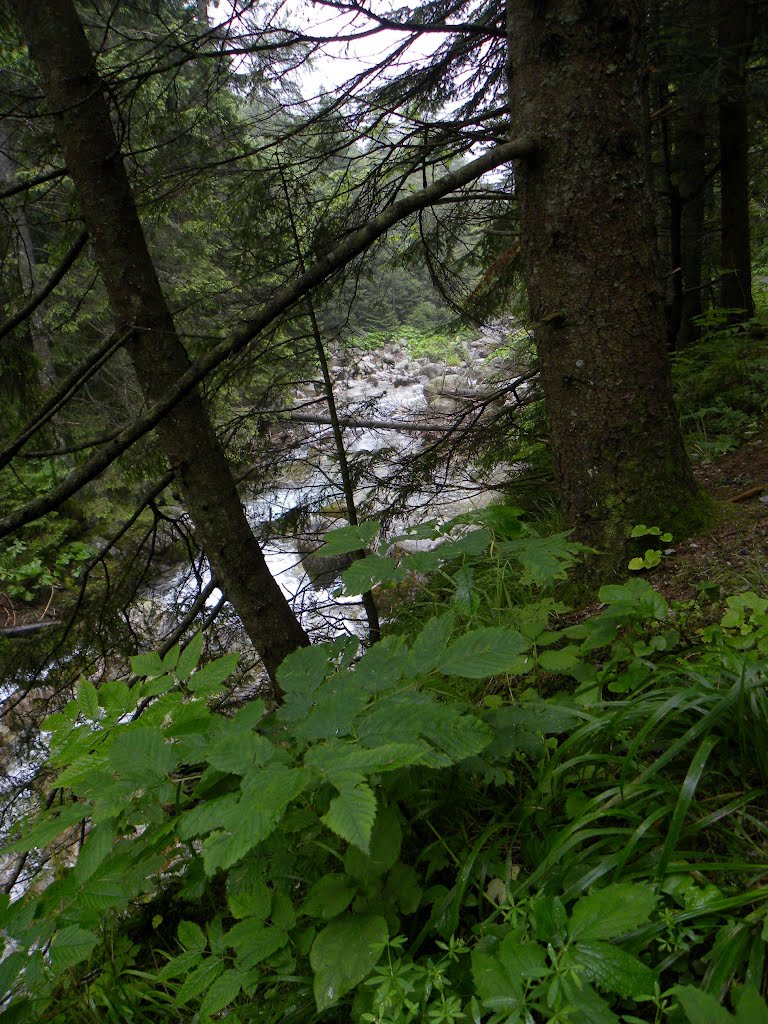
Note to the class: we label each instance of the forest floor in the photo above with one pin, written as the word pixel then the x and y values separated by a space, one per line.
pixel 733 554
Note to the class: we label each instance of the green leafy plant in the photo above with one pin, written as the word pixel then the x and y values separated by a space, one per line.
pixel 381 848
pixel 652 556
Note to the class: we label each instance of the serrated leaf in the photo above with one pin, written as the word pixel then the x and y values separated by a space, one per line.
pixel 429 645
pixel 611 911
pixel 334 709
pixel 223 849
pixel 351 815
pixel 484 652
pixel 178 965
pixel 222 812
pixel 199 980
pixel 305 669
pixel 365 572
pixel 345 953
pixel 340 758
pixel 45 831
pixel 150 664
pixel 238 752
pixel 254 942
pixel 526 960
pixel 88 700
pixel 141 754
pixel 171 659
pixel 587 1006
pixel 248 894
pixel 192 937
pixel 382 665
pixel 97 847
pixel 329 897
pixel 222 992
pixel 612 969
pixel 700 1007
pixel 349 538
pixel 11 970
pixel 494 984
pixel 71 946
pixel 214 673
pixel 549 919
pixel 190 656
pixel 561 660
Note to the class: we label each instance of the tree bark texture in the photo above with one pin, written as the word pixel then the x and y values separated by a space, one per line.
pixel 60 50
pixel 694 127
pixel 590 266
pixel 735 43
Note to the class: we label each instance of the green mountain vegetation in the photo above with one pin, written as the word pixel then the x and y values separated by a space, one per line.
pixel 506 763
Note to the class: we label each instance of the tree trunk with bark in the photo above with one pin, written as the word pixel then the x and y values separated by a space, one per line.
pixel 590 266
pixel 694 126
pixel 73 91
pixel 735 43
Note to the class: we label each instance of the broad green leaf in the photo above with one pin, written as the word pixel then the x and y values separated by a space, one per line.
pixel 11 970
pixel 199 980
pixel 365 572
pixel 751 1007
pixel 237 751
pixel 222 992
pixel 190 656
pixel 254 942
pixel 700 1007
pixel 429 646
pixel 52 825
pixel 561 660
pixel 545 558
pixel 171 659
pixel 192 937
pixel 351 815
pixel 223 849
pixel 402 887
pixel 345 953
pixel 150 664
pixel 305 669
pixel 70 946
pixel 248 894
pixel 549 919
pixel 349 538
pixel 140 754
pixel 214 673
pixel 88 700
pixel 382 665
pixel 329 897
pixel 335 707
pixel 384 850
pixel 484 652
pixel 524 960
pixel 274 787
pixel 494 984
pixel 222 812
pixel 612 969
pixel 117 698
pixel 458 736
pixel 179 965
pixel 339 759
pixel 587 1006
pixel 612 911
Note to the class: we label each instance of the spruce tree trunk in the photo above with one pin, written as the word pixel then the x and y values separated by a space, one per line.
pixel 590 267
pixel 60 50
pixel 735 43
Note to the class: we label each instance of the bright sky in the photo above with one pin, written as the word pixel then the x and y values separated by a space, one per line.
pixel 340 61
